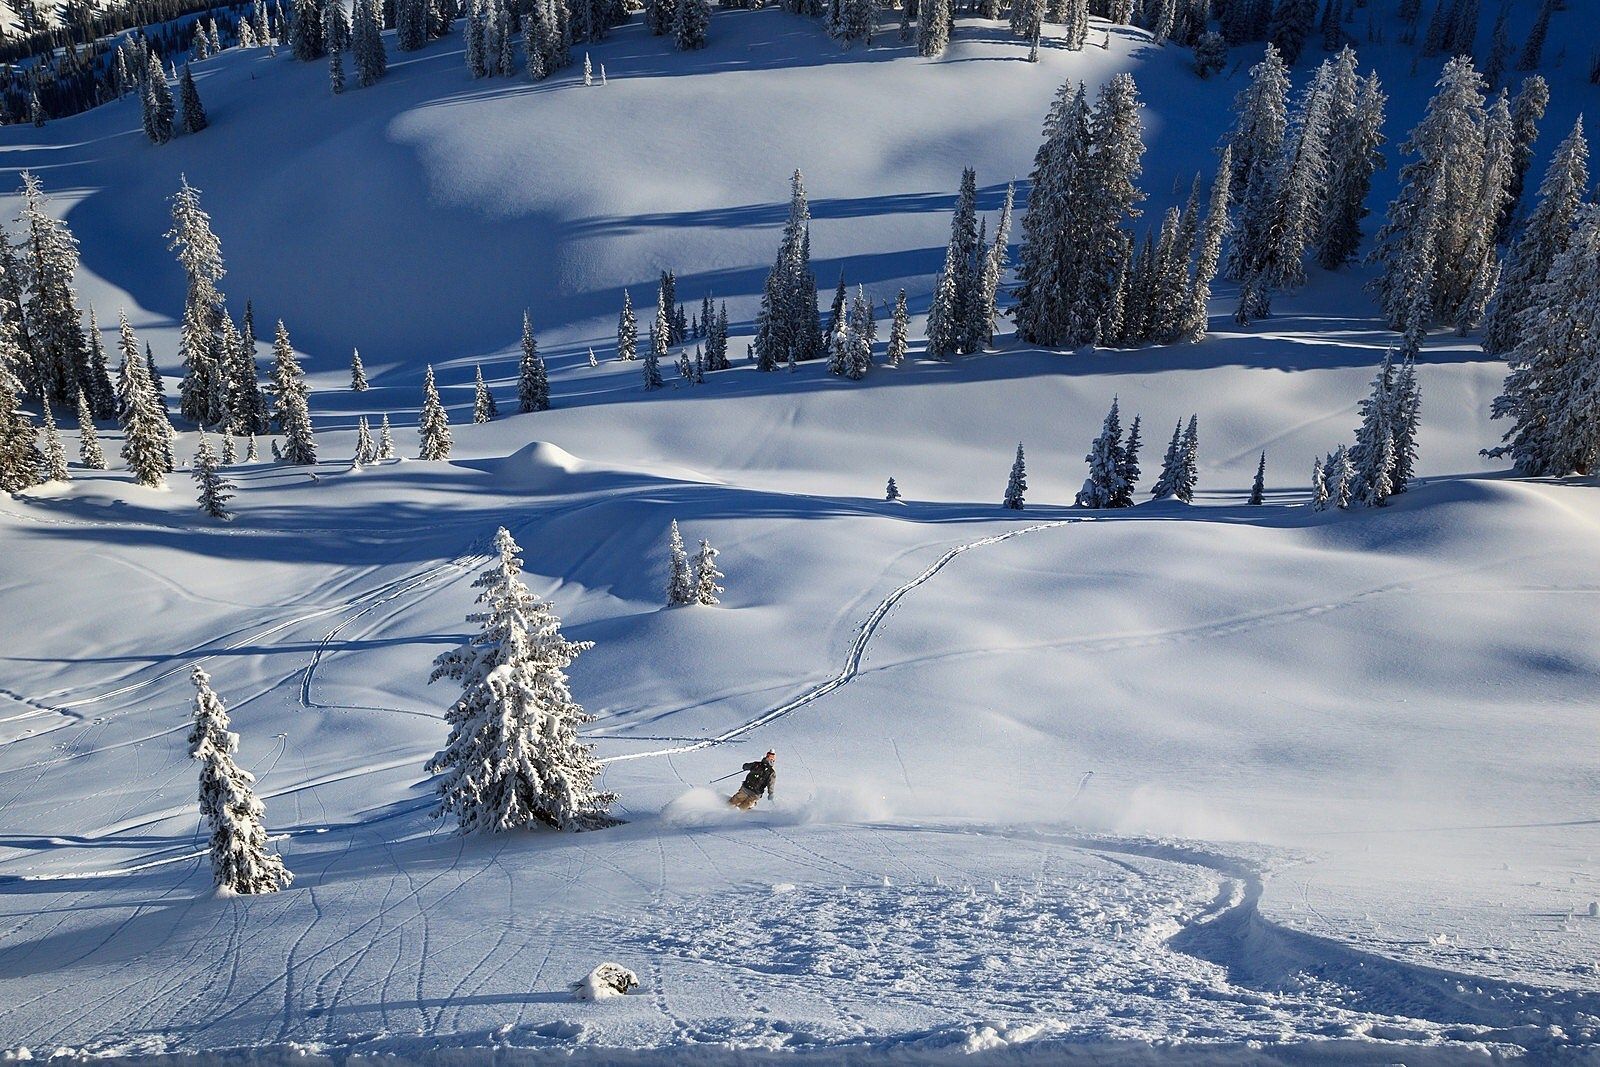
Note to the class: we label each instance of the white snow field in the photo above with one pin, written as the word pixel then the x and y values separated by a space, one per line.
pixel 1208 783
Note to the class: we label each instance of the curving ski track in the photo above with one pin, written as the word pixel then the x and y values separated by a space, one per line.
pixel 852 662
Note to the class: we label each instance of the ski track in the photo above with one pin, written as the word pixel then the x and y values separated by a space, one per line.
pixel 858 648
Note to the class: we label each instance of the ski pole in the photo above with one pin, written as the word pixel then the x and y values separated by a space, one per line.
pixel 724 778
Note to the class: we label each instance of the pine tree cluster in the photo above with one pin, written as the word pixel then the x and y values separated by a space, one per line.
pixel 1437 250
pixel 1302 175
pixel 1381 462
pixel 691 583
pixel 961 318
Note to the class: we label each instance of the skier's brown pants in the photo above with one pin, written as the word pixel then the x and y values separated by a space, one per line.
pixel 744 800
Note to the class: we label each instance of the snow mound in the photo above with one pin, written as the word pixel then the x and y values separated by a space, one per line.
pixel 538 466
pixel 606 980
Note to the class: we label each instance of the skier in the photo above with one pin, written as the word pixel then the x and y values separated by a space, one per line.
pixel 762 773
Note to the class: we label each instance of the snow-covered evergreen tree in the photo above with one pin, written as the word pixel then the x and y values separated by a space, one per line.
pixel 513 758
pixel 146 433
pixel 366 452
pixel 856 20
pixel 1262 123
pixel 358 373
pixel 891 491
pixel 787 330
pixel 1027 16
pixel 157 100
pixel 1552 393
pixel 293 400
pixel 944 327
pixel 336 30
pixel 55 453
pixel 1480 266
pixel 669 309
pixel 483 405
pixel 60 364
pixel 690 22
pixel 863 329
pixel 241 859
pixel 433 423
pixel 18 353
pixel 475 39
pixel 1104 485
pixel 658 16
pixel 717 343
pixel 1292 23
pixel 89 450
pixel 305 32
pixel 627 329
pixel 1532 53
pixel 957 319
pixel 1320 497
pixel 533 381
pixel 505 58
pixel 1405 422
pixel 1355 140
pixel 1372 458
pixel 203 393
pixel 1500 49
pixel 1210 54
pixel 995 262
pixel 706 574
pixel 366 34
pixel 1189 472
pixel 836 309
pixel 1017 483
pixel 246 403
pixel 1340 476
pixel 410 24
pixel 651 371
pixel 214 488
pixel 1129 472
pixel 1208 257
pixel 1258 488
pixel 1527 111
pixel 20 458
pixel 191 112
pixel 98 390
pixel 680 583
pixel 385 439
pixel 934 18
pixel 1075 24
pixel 1171 466
pixel 899 328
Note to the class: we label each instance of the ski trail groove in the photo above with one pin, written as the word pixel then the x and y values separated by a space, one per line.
pixel 858 649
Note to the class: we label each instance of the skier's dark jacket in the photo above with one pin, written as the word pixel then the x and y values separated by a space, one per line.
pixel 759 780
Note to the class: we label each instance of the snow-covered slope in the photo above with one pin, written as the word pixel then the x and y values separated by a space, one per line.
pixel 1342 780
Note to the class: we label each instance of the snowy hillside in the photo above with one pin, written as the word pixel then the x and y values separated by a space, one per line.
pixel 1206 782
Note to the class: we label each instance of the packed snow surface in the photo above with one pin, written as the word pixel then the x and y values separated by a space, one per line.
pixel 1208 783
